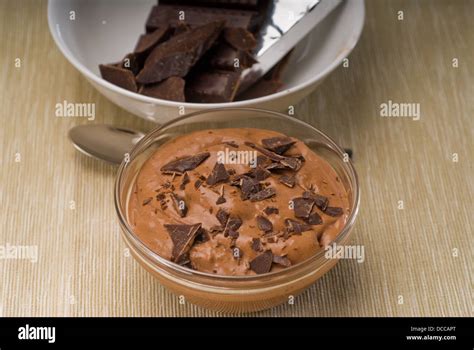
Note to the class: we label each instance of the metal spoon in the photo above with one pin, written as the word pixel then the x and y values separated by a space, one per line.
pixel 105 142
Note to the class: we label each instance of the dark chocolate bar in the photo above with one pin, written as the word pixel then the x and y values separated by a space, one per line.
pixel 119 76
pixel 176 56
pixel 225 57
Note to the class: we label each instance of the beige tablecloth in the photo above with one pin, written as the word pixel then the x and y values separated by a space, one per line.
pixel 418 260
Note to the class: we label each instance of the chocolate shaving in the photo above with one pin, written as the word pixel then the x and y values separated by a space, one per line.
pixel 179 204
pixel 249 187
pixel 262 263
pixel 148 200
pixel 257 244
pixel 264 224
pixel 314 219
pixel 259 173
pixel 320 201
pixel 222 216
pixel 233 223
pixel 184 164
pixel 281 260
pixel 220 200
pixel 233 234
pixel 182 237
pixel 231 144
pixel 184 181
pixel 302 206
pixel 278 144
pixel 296 227
pixel 263 194
pixel 290 162
pixel 218 174
pixel 271 210
pixel 333 211
pixel 288 180
pixel 197 184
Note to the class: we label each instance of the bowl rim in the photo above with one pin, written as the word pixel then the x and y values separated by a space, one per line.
pixel 138 243
pixel 61 44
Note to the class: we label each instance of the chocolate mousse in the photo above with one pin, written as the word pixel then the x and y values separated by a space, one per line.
pixel 237 202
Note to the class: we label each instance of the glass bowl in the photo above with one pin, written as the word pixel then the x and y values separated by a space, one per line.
pixel 234 294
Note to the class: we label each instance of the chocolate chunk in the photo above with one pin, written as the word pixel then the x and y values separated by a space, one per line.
pixel 288 180
pixel 182 237
pixel 233 234
pixel 248 187
pixel 333 211
pixel 281 260
pixel 302 207
pixel 197 184
pixel 179 204
pixel 264 224
pixel 119 76
pixel 240 38
pixel 275 166
pixel 197 16
pixel 231 144
pixel 202 236
pixel 181 27
pixel 213 86
pixel 216 229
pixel 320 201
pixel 289 162
pixel 257 244
pixel 278 144
pixel 263 194
pixel 314 219
pixel 220 200
pixel 185 163
pixel 222 216
pixel 147 42
pixel 296 227
pixel 262 263
pixel 176 56
pixel 133 62
pixel 171 89
pixel 184 181
pixel 271 210
pixel 233 223
pixel 148 200
pixel 262 160
pixel 259 173
pixel 225 57
pixel 218 174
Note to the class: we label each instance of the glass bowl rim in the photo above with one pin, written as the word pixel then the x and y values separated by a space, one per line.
pixel 143 248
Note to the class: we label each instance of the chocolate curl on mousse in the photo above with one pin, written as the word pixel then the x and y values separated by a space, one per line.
pixel 184 164
pixel 183 237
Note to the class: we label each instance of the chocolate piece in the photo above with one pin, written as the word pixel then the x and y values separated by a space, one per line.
pixel 240 38
pixel 333 211
pixel 263 194
pixel 202 236
pixel 231 144
pixel 288 180
pixel 220 200
pixel 214 86
pixel 259 173
pixel 257 244
pixel 248 187
pixel 148 200
pixel 181 27
pixel 172 15
pixel 218 174
pixel 296 227
pixel 278 144
pixel 281 260
pixel 233 234
pixel 233 223
pixel 133 62
pixel 179 204
pixel 262 263
pixel 147 42
pixel 171 89
pixel 302 207
pixel 264 224
pixel 184 181
pixel 116 75
pixel 176 56
pixel 197 184
pixel 222 216
pixel 290 162
pixel 185 163
pixel 225 57
pixel 271 210
pixel 320 201
pixel 182 237
pixel 314 219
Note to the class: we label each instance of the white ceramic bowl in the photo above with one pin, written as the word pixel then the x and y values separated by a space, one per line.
pixel 103 31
